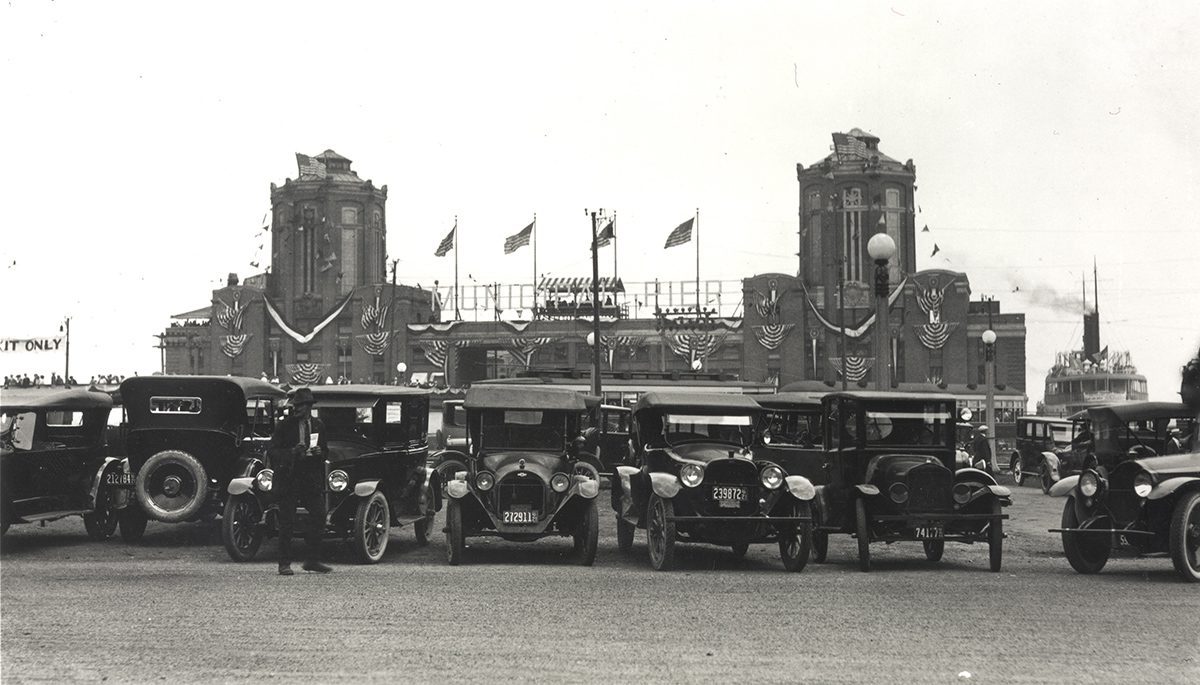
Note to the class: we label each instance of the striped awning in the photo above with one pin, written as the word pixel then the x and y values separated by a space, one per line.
pixel 575 285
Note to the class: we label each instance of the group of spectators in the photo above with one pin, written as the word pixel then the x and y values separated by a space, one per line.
pixel 55 380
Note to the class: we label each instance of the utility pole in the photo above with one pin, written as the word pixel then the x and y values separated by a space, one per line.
pixel 595 308
pixel 392 315
pixel 67 370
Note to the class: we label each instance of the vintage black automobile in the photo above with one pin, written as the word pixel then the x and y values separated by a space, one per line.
pixel 523 475
pixel 452 435
pixel 375 474
pixel 1047 449
pixel 698 477
pixel 892 477
pixel 606 431
pixel 793 434
pixel 54 462
pixel 186 438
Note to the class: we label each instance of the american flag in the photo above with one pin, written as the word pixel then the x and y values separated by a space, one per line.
pixel 846 146
pixel 310 166
pixel 682 234
pixel 518 240
pixel 607 234
pixel 447 243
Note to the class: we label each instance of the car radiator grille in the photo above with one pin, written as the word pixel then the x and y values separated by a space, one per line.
pixel 731 472
pixel 930 488
pixel 1123 503
pixel 520 494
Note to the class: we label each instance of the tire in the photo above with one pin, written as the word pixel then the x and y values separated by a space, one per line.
pixel 1016 466
pixel 934 549
pixel 739 549
pixel 172 486
pixel 820 547
pixel 660 533
pixel 241 529
pixel 102 523
pixel 1085 556
pixel 1185 537
pixel 372 523
pixel 1044 476
pixel 455 542
pixel 625 531
pixel 864 535
pixel 421 528
pixel 587 535
pixel 995 538
pixel 133 523
pixel 795 548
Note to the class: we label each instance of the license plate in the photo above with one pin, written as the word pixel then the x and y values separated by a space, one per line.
pixel 729 496
pixel 520 517
pixel 120 480
pixel 930 533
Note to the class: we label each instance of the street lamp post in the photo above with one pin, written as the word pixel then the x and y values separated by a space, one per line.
pixel 67 327
pixel 881 248
pixel 591 341
pixel 989 351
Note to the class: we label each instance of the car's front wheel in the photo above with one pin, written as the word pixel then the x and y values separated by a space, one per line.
pixel 660 533
pixel 587 534
pixel 625 532
pixel 795 544
pixel 422 527
pixel 372 523
pixel 863 531
pixel 240 529
pixel 455 542
pixel 1017 467
pixel 1045 477
pixel 101 523
pixel 1087 553
pixel 1185 537
pixel 995 538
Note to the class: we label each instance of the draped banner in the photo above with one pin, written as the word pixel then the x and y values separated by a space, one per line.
pixel 305 338
pixel 437 327
pixel 614 343
pixel 856 367
pixel 230 317
pixel 861 329
pixel 694 346
pixel 930 297
pixel 934 335
pixel 771 335
pixel 436 351
pixel 523 348
pixel 232 345
pixel 374 341
pixel 305 373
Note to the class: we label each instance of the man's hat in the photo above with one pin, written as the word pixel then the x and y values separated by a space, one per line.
pixel 302 396
pixel 982 429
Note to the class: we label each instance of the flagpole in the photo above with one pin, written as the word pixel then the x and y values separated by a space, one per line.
pixel 697 262
pixel 457 313
pixel 613 223
pixel 533 239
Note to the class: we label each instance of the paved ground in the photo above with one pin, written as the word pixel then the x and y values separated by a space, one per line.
pixel 175 609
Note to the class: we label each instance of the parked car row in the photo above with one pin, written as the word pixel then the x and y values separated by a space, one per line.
pixel 528 462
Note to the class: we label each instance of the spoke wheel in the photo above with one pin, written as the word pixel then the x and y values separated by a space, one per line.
pixel 660 533
pixel 587 535
pixel 455 542
pixel 1047 480
pixel 1086 553
pixel 101 523
pixel 371 527
pixel 625 532
pixel 1017 467
pixel 863 530
pixel 1185 537
pixel 422 527
pixel 240 530
pixel 934 549
pixel 795 544
pixel 995 538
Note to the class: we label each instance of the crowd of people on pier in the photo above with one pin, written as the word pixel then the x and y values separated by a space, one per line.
pixel 37 380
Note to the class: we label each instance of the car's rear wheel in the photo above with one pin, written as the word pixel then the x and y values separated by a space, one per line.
pixel 133 523
pixel 455 542
pixel 934 549
pixel 625 531
pixel 660 533
pixel 171 486
pixel 1045 477
pixel 863 530
pixel 1017 467
pixel 739 549
pixel 1087 553
pixel 995 538
pixel 101 523
pixel 240 530
pixel 796 543
pixel 587 535
pixel 1185 537
pixel 372 524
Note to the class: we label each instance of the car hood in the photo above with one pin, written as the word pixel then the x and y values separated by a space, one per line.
pixel 1173 465
pixel 544 464
pixel 706 452
pixel 893 467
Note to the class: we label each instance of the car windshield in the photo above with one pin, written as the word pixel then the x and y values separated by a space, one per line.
pixel 903 423
pixel 795 428
pixel 531 429
pixel 1062 435
pixel 345 423
pixel 737 429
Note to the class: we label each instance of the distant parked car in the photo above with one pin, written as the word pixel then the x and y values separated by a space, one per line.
pixel 606 430
pixel 1045 450
pixel 54 461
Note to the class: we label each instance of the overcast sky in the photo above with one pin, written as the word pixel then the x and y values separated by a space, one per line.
pixel 141 141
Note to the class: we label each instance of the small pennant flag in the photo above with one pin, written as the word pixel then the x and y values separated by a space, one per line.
pixel 883 220
pixel 447 243
pixel 682 234
pixel 518 240
pixel 310 166
pixel 607 234
pixel 936 249
pixel 926 229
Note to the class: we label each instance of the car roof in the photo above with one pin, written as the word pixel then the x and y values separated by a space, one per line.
pixel 523 397
pixel 250 387
pixel 893 395
pixel 696 401
pixel 1045 419
pixel 1133 411
pixel 790 400
pixel 361 394
pixel 69 399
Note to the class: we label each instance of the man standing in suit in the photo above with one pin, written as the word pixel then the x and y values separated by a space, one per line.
pixel 297 453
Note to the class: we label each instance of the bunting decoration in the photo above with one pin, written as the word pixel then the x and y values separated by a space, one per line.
pixel 232 345
pixel 305 373
pixel 770 336
pixel 433 327
pixel 523 348
pixel 305 338
pixel 861 329
pixel 375 340
pixel 629 344
pixel 229 316
pixel 934 333
pixel 856 367
pixel 694 346
pixel 772 332
pixel 436 352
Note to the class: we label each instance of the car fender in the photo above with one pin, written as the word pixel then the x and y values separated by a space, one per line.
pixel 801 488
pixel 240 486
pixel 110 464
pixel 867 489
pixel 665 485
pixel 365 488
pixel 975 475
pixel 1170 485
pixel 1064 487
pixel 1052 462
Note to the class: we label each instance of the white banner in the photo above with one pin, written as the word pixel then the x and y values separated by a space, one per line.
pixel 32 344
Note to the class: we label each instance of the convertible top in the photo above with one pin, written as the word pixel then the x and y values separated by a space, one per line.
pixel 361 395
pixel 500 396
pixel 931 395
pixel 695 401
pixel 75 399
pixel 147 385
pixel 790 400
pixel 1135 411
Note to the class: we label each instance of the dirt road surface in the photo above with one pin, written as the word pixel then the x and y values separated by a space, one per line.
pixel 175 609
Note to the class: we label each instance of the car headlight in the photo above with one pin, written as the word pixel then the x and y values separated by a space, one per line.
pixel 1089 484
pixel 338 480
pixel 691 474
pixel 484 481
pixel 961 492
pixel 772 477
pixel 265 479
pixel 559 482
pixel 898 492
pixel 1143 483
